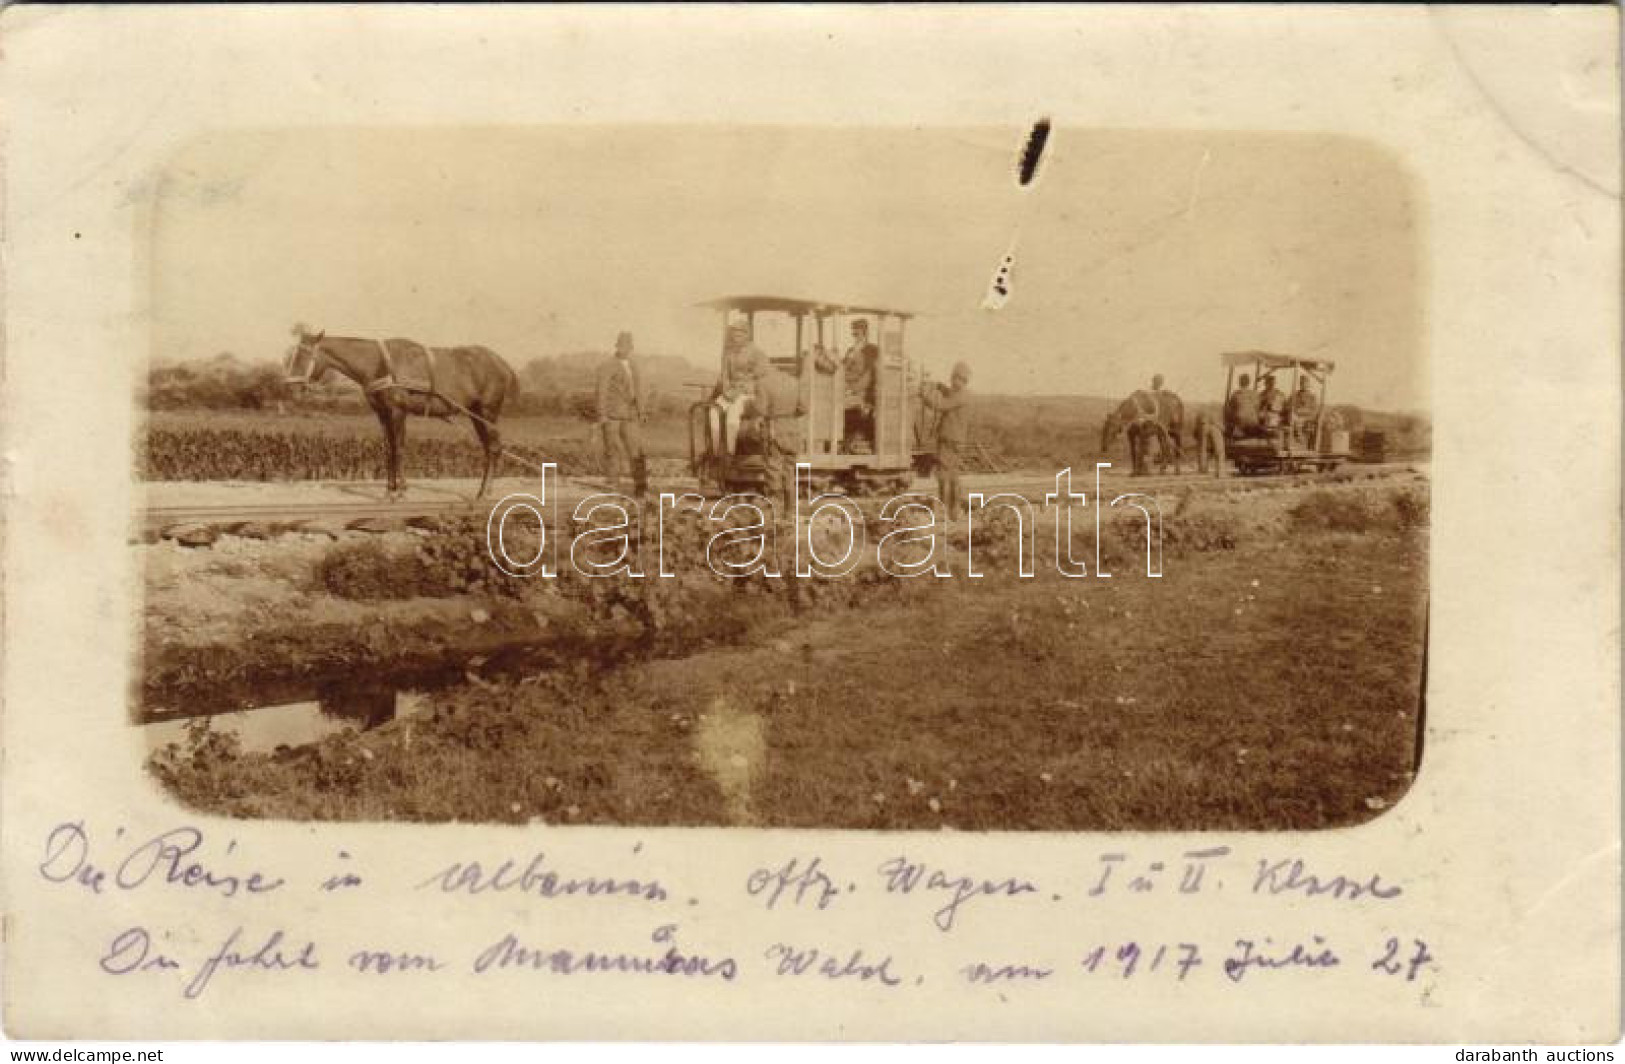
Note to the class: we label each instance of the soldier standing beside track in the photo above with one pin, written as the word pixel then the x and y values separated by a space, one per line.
pixel 777 403
pixel 620 415
pixel 953 429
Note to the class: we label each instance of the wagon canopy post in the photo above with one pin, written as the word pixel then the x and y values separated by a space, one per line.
pixel 1320 411
pixel 905 424
pixel 722 348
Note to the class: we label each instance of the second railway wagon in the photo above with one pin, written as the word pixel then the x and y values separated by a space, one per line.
pixel 1292 444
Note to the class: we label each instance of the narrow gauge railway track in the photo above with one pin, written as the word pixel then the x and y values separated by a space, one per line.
pixel 156 521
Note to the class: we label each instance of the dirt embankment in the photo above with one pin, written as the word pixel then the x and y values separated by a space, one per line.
pixel 246 614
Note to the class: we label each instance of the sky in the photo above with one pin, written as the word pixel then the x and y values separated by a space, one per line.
pixel 1136 252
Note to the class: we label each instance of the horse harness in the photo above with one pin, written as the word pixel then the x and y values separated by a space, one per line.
pixel 393 380
pixel 1142 415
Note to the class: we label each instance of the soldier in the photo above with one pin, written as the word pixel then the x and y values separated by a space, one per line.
pixel 860 364
pixel 743 366
pixel 1303 407
pixel 621 413
pixel 1271 405
pixel 778 403
pixel 953 425
pixel 1241 409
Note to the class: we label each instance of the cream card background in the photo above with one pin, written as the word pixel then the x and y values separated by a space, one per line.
pixel 1508 844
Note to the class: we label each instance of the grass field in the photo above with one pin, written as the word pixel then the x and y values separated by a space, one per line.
pixel 1270 680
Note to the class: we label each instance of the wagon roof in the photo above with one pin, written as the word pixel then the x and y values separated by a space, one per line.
pixel 1247 358
pixel 751 304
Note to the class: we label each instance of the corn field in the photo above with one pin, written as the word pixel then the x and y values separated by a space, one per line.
pixel 196 453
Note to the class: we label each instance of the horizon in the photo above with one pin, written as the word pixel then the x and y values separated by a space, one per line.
pixel 976 393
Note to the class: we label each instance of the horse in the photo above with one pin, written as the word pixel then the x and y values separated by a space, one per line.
pixel 1143 417
pixel 469 380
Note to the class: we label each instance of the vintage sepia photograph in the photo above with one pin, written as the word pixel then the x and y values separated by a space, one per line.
pixel 997 478
pixel 820 524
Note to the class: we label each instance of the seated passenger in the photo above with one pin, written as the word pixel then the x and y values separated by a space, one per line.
pixel 1241 410
pixel 1271 405
pixel 743 366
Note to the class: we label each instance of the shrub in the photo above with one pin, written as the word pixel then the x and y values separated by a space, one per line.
pixel 1412 508
pixel 367 571
pixel 1332 511
pixel 1201 532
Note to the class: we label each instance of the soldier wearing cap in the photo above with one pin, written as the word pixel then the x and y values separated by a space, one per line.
pixel 620 414
pixel 743 366
pixel 778 404
pixel 860 366
pixel 951 404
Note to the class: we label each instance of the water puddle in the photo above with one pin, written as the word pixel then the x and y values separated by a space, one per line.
pixel 293 712
pixel 327 711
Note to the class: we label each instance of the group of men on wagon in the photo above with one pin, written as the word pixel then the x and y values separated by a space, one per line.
pixel 1265 411
pixel 746 370
pixel 750 378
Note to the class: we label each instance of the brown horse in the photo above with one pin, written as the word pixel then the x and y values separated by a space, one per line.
pixel 399 378
pixel 1143 417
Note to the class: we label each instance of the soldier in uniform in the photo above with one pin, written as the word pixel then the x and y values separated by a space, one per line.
pixel 621 413
pixel 860 366
pixel 1271 406
pixel 743 366
pixel 777 402
pixel 1303 407
pixel 951 404
pixel 1241 409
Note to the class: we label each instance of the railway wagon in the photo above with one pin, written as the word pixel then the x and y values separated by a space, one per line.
pixel 1304 437
pixel 857 437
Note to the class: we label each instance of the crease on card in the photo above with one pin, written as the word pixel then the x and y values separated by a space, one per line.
pixel 1584 867
pixel 1441 22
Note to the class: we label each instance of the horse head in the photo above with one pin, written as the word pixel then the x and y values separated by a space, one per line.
pixel 305 363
